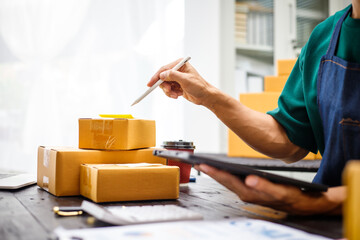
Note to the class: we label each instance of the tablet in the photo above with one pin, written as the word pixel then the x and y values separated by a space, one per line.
pixel 230 165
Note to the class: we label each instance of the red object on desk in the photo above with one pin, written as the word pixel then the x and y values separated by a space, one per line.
pixel 185 168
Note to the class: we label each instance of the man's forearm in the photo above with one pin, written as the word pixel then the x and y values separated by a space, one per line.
pixel 260 131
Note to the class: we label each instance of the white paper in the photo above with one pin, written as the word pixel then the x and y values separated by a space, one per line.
pixel 240 228
pixel 139 214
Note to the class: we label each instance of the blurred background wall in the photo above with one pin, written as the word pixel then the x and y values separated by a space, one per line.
pixel 62 60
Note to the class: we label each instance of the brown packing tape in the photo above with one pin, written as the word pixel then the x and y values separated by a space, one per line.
pixel 45 183
pixel 102 132
pixel 46 166
pixel 86 181
pixel 93 181
pixel 101 126
pixel 46 157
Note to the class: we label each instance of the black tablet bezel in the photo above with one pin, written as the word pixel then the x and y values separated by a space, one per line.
pixel 229 164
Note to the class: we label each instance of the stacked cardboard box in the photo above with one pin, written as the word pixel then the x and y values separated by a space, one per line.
pixel 59 167
pixel 116 133
pixel 108 141
pixel 263 102
pixel 351 210
pixel 129 182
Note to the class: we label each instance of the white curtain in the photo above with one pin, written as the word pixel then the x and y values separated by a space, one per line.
pixel 65 59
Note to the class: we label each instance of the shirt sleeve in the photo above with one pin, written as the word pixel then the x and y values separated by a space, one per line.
pixel 291 112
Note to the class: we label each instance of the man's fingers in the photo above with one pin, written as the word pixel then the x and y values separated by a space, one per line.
pixel 174 76
pixel 166 87
pixel 230 181
pixel 156 76
pixel 171 89
pixel 255 189
pixel 267 187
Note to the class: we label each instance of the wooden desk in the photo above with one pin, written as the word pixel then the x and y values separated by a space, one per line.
pixel 27 213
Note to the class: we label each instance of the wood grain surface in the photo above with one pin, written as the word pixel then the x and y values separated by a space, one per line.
pixel 27 213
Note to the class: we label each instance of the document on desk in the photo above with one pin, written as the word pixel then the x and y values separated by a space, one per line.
pixel 240 228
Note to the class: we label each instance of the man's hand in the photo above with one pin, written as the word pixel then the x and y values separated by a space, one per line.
pixel 259 130
pixel 286 198
pixel 185 82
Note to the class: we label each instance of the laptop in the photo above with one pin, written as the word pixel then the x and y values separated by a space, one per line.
pixel 16 180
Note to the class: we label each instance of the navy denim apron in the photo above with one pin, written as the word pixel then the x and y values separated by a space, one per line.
pixel 338 88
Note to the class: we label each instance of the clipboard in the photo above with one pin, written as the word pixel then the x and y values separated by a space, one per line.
pixel 230 165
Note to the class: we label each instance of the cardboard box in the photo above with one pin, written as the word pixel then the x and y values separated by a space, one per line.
pixel 59 167
pixel 285 66
pixel 129 182
pixel 351 178
pixel 274 83
pixel 261 102
pixel 116 133
pixel 318 156
pixel 238 148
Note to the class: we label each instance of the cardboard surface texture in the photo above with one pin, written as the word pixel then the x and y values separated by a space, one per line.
pixel 59 167
pixel 238 148
pixel 351 179
pixel 261 102
pixel 116 133
pixel 274 83
pixel 129 182
pixel 285 66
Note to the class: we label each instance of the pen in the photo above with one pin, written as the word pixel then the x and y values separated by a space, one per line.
pixel 179 65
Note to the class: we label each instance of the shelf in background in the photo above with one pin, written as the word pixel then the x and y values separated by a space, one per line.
pixel 255 50
pixel 311 14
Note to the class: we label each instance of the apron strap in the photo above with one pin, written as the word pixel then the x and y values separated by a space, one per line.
pixel 335 36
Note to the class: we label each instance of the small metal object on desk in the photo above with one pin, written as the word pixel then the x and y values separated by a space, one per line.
pixel 192 178
pixel 67 211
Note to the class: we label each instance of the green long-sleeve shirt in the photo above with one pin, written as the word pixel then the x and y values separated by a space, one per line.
pixel 297 110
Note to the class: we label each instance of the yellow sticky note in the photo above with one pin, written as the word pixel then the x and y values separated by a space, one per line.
pixel 129 116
